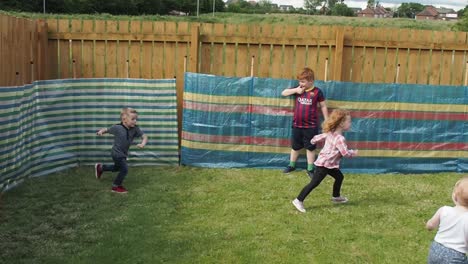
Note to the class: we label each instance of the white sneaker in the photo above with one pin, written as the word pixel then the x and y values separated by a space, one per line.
pixel 339 199
pixel 299 205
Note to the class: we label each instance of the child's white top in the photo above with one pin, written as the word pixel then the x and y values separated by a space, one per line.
pixel 453 229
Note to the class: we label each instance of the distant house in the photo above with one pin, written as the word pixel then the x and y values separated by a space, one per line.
pixel 432 13
pixel 177 13
pixel 356 10
pixel 377 12
pixel 230 2
pixel 286 8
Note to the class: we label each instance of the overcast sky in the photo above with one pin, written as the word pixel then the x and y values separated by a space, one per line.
pixel 455 4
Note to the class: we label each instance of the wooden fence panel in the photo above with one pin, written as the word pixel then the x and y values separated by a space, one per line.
pixel 206 48
pixel 217 52
pixel 379 58
pixel 348 59
pixel 242 55
pixel 111 50
pixel 170 53
pixel 145 49
pixel 460 61
pixel 276 53
pixel 146 63
pixel 424 56
pixel 448 59
pixel 76 50
pixel 134 51
pixel 88 59
pixel 289 60
pixel 122 53
pixel 100 50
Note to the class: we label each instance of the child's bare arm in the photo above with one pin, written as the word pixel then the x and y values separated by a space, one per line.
pixel 102 131
pixel 324 108
pixel 291 91
pixel 143 142
pixel 434 222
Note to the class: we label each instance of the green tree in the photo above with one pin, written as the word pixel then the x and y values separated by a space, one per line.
pixel 408 10
pixel 462 24
pixel 371 3
pixel 311 5
pixel 342 10
pixel 462 11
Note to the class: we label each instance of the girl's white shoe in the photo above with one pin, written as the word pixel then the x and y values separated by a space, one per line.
pixel 299 205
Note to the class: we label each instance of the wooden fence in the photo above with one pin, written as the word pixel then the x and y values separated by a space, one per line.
pixel 146 49
pixel 23 50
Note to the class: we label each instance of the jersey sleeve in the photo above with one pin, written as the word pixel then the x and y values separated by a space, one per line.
pixel 320 96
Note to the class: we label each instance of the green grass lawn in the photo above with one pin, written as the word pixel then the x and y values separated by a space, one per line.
pixel 194 215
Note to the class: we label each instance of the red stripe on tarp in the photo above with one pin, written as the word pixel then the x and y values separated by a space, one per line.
pixel 407 145
pixel 410 115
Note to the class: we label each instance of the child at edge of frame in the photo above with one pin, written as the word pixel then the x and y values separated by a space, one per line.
pixel 308 99
pixel 124 134
pixel 328 160
pixel 450 244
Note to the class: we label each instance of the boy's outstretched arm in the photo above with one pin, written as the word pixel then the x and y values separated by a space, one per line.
pixel 143 142
pixel 102 131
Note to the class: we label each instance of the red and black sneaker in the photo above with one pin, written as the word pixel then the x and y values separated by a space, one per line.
pixel 98 170
pixel 119 189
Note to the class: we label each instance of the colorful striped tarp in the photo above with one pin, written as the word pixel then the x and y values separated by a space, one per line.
pixel 245 122
pixel 51 125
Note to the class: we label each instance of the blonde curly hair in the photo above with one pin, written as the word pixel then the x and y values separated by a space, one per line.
pixel 336 118
pixel 460 192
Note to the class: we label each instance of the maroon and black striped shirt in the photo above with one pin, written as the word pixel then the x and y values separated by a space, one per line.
pixel 306 108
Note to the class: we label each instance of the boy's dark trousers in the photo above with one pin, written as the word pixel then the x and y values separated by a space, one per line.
pixel 319 174
pixel 120 165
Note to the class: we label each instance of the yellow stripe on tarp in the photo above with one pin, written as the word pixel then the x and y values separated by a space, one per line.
pixel 286 150
pixel 288 102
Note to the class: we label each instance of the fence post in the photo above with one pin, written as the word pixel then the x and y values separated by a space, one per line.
pixel 42 64
pixel 194 48
pixel 338 63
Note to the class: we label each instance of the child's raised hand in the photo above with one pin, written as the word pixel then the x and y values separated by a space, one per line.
pixel 300 90
pixel 355 152
pixel 141 145
pixel 101 132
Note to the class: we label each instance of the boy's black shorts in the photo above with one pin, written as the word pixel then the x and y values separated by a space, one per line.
pixel 301 137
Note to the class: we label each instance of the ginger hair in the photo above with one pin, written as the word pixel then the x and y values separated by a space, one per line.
pixel 460 192
pixel 306 74
pixel 336 118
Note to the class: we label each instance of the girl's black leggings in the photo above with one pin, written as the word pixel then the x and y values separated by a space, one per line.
pixel 319 174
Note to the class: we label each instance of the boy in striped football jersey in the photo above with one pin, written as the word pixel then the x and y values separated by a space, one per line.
pixel 308 99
